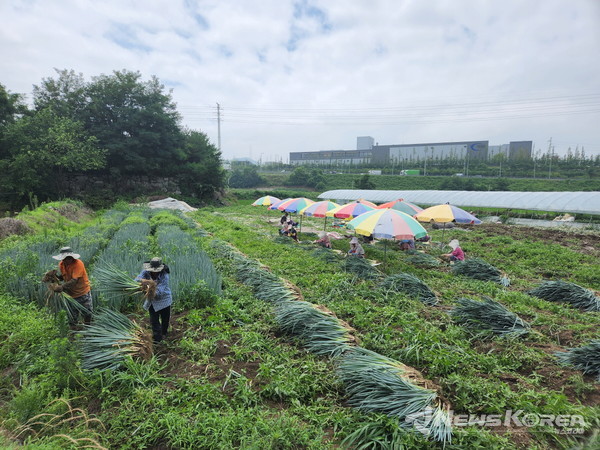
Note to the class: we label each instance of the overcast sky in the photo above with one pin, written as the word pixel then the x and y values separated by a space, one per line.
pixel 313 75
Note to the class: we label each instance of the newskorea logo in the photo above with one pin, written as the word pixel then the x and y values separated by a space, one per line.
pixel 558 423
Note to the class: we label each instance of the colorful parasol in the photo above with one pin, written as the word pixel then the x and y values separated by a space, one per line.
pixel 267 200
pixel 387 224
pixel 295 204
pixel 276 205
pixel 402 205
pixel 318 209
pixel 352 209
pixel 446 213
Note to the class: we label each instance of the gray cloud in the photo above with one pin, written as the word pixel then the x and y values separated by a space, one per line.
pixel 311 75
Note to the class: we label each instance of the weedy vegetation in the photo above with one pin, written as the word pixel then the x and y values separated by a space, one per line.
pixel 278 344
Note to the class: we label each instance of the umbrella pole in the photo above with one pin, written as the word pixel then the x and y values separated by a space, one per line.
pixel 300 224
pixel 385 254
pixel 325 226
pixel 443 232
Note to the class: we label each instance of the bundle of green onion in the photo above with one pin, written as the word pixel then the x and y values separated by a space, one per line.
pixel 110 339
pixel 113 281
pixel 563 291
pixel 411 285
pixel 478 269
pixel 319 332
pixel 423 260
pixel 375 383
pixel 586 358
pixel 489 316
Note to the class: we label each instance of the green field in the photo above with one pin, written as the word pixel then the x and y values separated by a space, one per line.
pixel 242 368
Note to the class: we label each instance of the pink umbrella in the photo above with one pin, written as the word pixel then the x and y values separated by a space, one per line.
pixel 402 205
pixel 319 209
pixel 275 206
pixel 352 209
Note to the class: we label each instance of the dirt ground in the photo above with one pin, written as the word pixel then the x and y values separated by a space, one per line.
pixel 583 242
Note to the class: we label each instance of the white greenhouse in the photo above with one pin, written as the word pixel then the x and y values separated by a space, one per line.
pixel 563 202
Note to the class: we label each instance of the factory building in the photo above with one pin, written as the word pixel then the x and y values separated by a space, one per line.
pixel 368 153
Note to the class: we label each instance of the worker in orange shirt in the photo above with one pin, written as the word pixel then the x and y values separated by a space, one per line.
pixel 76 283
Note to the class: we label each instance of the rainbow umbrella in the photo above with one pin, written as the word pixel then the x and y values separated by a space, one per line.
pixel 294 205
pixel 387 224
pixel 352 209
pixel 276 205
pixel 267 200
pixel 318 209
pixel 402 205
pixel 446 213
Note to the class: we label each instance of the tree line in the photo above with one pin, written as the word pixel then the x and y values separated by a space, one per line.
pixel 114 127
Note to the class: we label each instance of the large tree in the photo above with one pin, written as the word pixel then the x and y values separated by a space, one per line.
pixel 135 121
pixel 203 172
pixel 44 151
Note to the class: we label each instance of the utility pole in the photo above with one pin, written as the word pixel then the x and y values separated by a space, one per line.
pixel 219 125
pixel 550 155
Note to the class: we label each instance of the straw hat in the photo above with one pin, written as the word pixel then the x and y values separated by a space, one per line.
pixel 64 252
pixel 454 243
pixel 154 265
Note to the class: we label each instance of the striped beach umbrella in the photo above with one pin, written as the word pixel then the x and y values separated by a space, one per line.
pixel 296 204
pixel 402 205
pixel 267 200
pixel 387 224
pixel 352 209
pixel 318 209
pixel 446 213
pixel 275 205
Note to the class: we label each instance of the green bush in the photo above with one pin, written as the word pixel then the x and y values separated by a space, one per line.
pixel 198 295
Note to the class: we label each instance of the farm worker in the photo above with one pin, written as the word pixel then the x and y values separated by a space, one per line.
pixel 285 228
pixel 284 218
pixel 356 249
pixel 407 244
pixel 292 232
pixel 160 306
pixel 323 240
pixel 75 282
pixel 457 253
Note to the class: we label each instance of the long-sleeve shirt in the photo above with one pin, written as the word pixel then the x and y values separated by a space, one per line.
pixel 163 297
pixel 458 254
pixel 357 250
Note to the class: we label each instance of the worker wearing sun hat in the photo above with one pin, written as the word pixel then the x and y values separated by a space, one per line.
pixel 356 249
pixel 323 240
pixel 76 282
pixel 159 307
pixel 457 253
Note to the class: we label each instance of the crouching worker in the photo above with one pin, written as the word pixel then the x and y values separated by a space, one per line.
pixel 323 240
pixel 457 253
pixel 159 306
pixel 75 283
pixel 356 249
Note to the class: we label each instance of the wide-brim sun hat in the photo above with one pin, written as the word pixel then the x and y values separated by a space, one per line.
pixel 322 234
pixel 65 252
pixel 454 243
pixel 354 240
pixel 154 265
